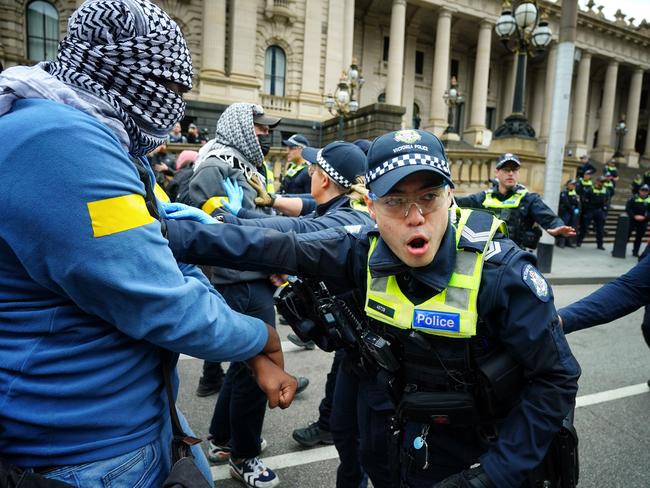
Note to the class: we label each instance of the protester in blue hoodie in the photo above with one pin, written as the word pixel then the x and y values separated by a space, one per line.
pixel 89 290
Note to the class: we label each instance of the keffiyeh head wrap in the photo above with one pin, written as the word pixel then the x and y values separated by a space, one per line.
pixel 127 52
pixel 235 128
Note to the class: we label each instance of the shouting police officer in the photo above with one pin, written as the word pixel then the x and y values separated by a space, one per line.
pixel 516 206
pixel 450 306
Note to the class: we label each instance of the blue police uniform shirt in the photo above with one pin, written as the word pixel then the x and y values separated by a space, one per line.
pixel 335 213
pixel 616 299
pixel 518 313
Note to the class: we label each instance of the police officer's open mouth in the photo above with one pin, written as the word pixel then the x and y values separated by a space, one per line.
pixel 417 243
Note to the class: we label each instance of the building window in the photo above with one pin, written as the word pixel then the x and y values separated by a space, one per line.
pixel 490 117
pixel 381 98
pixel 274 71
pixel 384 56
pixel 42 31
pixel 419 62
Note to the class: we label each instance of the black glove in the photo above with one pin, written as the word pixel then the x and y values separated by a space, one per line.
pixel 469 478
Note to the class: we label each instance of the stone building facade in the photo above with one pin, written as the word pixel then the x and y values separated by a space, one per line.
pixel 287 54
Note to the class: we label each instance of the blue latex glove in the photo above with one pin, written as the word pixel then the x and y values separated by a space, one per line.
pixel 179 211
pixel 235 195
pixel 576 211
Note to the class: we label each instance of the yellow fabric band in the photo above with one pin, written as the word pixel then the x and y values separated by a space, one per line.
pixel 118 214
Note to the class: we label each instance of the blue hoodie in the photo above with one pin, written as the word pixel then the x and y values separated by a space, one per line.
pixel 89 293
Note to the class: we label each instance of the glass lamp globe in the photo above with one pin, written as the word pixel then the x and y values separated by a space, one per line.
pixel 525 15
pixel 506 25
pixel 354 106
pixel 342 94
pixel 329 102
pixel 542 35
pixel 353 73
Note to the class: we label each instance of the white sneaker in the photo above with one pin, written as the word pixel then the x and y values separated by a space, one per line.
pixel 254 473
pixel 221 454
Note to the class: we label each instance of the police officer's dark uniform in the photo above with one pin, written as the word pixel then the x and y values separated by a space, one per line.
pixel 584 183
pixel 296 180
pixel 519 208
pixel 638 205
pixel 594 201
pixel 569 209
pixel 481 295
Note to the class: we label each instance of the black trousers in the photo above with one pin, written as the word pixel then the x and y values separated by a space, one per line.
pixel 597 216
pixel 640 228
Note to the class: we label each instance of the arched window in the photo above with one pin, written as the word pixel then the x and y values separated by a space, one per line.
pixel 381 98
pixel 274 71
pixel 42 31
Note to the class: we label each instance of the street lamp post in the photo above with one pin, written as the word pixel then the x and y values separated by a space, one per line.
pixel 453 98
pixel 526 32
pixel 621 130
pixel 345 99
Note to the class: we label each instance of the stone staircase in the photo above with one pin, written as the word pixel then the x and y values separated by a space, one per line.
pixel 610 227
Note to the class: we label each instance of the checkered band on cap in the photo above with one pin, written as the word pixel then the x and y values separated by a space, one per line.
pixel 331 171
pixel 409 160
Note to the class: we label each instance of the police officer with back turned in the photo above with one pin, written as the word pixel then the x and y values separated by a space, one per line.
pixel 474 376
pixel 516 206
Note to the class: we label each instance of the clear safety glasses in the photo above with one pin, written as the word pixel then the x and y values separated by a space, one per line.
pixel 400 205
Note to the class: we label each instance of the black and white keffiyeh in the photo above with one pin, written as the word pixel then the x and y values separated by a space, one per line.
pixel 127 52
pixel 235 128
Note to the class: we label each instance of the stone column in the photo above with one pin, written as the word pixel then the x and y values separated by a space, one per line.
pixel 311 99
pixel 508 74
pixel 577 143
pixel 632 117
pixel 548 93
pixel 213 48
pixel 408 90
pixel 475 133
pixel 606 126
pixel 396 53
pixel 244 38
pixel 334 44
pixel 348 34
pixel 438 112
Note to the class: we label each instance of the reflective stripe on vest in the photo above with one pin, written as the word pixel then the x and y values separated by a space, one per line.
pixel 586 182
pixel 293 170
pixel 599 191
pixel 451 313
pixel 270 177
pixel 512 202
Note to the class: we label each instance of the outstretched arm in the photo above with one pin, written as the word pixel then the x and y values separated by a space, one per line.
pixel 624 295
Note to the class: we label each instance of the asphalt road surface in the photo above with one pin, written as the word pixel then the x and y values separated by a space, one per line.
pixel 612 417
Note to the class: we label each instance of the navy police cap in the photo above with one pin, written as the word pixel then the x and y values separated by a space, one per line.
pixel 394 156
pixel 342 161
pixel 507 158
pixel 296 140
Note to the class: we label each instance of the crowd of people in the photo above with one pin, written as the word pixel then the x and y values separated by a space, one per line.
pixel 450 364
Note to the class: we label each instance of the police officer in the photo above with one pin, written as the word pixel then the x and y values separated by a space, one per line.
pixel 637 208
pixel 612 169
pixel 594 207
pixel 443 295
pixel 569 210
pixel 516 206
pixel 585 181
pixel 585 165
pixel 296 180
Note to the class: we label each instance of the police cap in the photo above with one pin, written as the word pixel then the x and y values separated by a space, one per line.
pixel 645 187
pixel 395 155
pixel 296 140
pixel 507 158
pixel 342 161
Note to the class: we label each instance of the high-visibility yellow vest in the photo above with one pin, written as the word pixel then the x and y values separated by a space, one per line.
pixel 572 193
pixel 586 182
pixel 452 312
pixel 511 202
pixel 599 191
pixel 294 169
pixel 270 177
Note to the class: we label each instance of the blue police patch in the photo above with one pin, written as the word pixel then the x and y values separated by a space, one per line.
pixel 536 282
pixel 427 319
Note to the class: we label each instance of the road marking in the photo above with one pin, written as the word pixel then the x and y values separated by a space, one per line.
pixel 286 347
pixel 285 460
pixel 609 395
pixel 325 453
